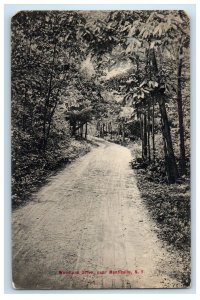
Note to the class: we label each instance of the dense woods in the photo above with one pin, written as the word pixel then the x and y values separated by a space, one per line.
pixel 122 76
pixel 119 75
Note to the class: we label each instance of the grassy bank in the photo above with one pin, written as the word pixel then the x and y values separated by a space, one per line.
pixel 169 207
pixel 33 172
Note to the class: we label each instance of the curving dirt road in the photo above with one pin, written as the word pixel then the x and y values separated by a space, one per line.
pixel 90 218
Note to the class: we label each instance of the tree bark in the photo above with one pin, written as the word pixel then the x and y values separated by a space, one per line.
pixel 145 137
pixel 103 125
pixel 141 133
pixel 73 129
pixel 180 114
pixel 86 130
pixel 153 128
pixel 148 134
pixel 47 99
pixel 81 130
pixel 165 153
pixel 171 161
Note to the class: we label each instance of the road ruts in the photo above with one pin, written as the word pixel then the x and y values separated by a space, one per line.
pixel 89 217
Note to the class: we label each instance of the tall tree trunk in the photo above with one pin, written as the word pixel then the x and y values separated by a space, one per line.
pixel 48 99
pixel 171 161
pixel 110 129
pixel 153 128
pixel 180 114
pixel 148 133
pixel 106 128
pixel 86 130
pixel 73 132
pixel 98 128
pixel 165 153
pixel 103 130
pixel 78 129
pixel 145 137
pixel 141 133
pixel 81 130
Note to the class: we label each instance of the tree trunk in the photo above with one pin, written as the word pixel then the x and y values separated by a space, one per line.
pixel 141 133
pixel 77 129
pixel 81 130
pixel 153 135
pixel 103 130
pixel 73 129
pixel 145 137
pixel 171 161
pixel 148 134
pixel 123 132
pixel 165 153
pixel 180 115
pixel 98 128
pixel 86 130
pixel 48 99
pixel 106 128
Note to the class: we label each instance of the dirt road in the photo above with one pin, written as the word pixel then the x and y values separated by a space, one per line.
pixel 90 218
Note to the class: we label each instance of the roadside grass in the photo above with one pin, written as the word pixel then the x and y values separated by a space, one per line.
pixel 169 206
pixel 38 171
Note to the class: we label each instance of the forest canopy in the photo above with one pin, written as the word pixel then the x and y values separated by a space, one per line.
pixel 120 75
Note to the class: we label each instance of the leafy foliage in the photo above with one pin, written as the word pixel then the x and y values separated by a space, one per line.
pixel 124 73
pixel 45 57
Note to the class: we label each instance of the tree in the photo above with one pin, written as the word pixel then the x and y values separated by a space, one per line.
pixel 45 57
pixel 148 42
